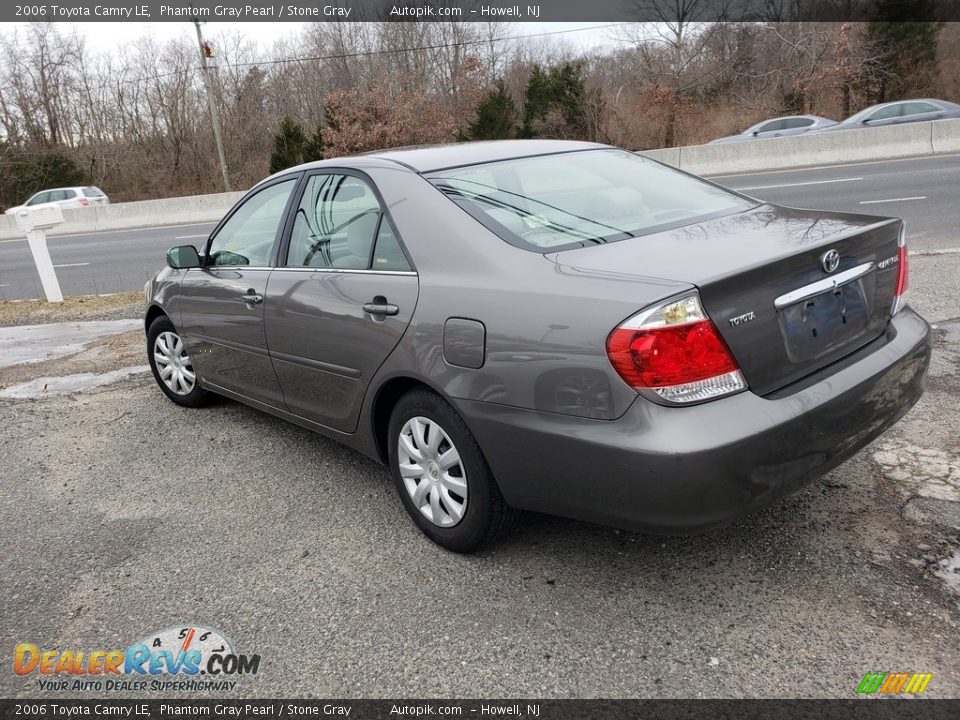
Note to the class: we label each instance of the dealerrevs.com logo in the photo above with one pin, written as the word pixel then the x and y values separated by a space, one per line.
pixel 190 658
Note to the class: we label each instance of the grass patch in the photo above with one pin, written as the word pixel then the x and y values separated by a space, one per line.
pixel 80 307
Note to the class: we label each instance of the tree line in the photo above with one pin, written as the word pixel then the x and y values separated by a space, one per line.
pixel 135 121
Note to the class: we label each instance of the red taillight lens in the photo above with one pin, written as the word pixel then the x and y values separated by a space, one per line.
pixel 676 351
pixel 83 201
pixel 903 273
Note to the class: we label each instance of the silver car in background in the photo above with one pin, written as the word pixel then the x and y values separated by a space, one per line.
pixel 778 127
pixel 898 113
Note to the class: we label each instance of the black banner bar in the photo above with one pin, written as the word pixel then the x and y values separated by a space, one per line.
pixel 858 709
pixel 469 10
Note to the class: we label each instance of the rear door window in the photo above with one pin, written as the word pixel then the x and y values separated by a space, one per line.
pixel 793 123
pixel 336 222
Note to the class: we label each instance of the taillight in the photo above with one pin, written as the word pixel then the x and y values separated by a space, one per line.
pixel 903 272
pixel 83 201
pixel 675 351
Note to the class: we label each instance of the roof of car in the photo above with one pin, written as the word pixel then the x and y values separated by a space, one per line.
pixel 428 158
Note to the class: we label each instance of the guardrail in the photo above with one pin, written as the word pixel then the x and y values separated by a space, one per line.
pixel 881 143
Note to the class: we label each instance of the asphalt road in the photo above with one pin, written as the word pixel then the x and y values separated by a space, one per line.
pixel 923 191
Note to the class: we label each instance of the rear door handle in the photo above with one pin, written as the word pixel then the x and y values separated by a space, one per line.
pixel 381 307
pixel 251 297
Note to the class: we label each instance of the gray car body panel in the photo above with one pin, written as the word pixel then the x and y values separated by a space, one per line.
pixel 541 388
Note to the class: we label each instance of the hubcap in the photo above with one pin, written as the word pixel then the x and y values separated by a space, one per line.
pixel 173 363
pixel 432 471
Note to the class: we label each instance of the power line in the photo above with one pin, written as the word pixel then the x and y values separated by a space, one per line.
pixel 417 48
pixel 363 53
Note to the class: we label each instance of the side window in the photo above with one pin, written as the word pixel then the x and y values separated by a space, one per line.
pixel 916 108
pixel 248 236
pixel 39 198
pixel 772 126
pixel 797 123
pixel 388 255
pixel 335 224
pixel 886 113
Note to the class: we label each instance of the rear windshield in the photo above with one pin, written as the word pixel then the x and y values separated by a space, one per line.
pixel 93 192
pixel 583 198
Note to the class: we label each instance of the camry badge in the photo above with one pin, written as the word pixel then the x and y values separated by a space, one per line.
pixel 830 260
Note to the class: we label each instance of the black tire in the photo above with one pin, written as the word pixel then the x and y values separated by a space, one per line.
pixel 487 515
pixel 197 397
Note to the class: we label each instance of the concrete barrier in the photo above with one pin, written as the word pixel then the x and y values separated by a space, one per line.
pixel 847 146
pixel 945 136
pixel 145 213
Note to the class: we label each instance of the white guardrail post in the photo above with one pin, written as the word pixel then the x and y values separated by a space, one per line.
pixel 35 222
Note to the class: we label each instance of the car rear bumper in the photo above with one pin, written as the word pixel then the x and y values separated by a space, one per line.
pixel 681 470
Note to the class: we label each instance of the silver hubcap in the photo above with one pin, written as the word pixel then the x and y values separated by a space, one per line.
pixel 173 364
pixel 432 471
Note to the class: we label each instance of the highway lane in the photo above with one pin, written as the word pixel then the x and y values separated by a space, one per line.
pixel 93 263
pixel 924 191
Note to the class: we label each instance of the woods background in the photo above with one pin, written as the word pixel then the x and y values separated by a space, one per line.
pixel 135 120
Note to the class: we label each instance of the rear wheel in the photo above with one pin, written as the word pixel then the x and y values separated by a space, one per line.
pixel 171 365
pixel 442 477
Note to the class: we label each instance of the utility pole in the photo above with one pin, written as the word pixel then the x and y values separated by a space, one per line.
pixel 211 101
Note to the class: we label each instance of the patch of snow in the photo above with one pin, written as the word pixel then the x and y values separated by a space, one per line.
pixel 63 385
pixel 36 343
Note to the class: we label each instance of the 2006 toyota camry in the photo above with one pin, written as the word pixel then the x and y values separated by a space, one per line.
pixel 544 325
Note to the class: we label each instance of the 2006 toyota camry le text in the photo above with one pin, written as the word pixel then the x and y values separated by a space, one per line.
pixel 554 326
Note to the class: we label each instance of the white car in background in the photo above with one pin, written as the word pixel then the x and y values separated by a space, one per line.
pixel 66 198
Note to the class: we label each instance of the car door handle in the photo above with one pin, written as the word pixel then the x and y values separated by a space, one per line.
pixel 252 298
pixel 380 307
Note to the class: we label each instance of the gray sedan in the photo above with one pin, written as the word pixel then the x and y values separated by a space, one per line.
pixel 778 127
pixel 898 113
pixel 553 326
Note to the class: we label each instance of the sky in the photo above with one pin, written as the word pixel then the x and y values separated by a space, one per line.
pixel 104 35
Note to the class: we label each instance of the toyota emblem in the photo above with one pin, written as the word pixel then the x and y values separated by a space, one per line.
pixel 830 260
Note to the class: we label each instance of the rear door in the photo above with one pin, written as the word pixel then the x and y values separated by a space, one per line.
pixel 222 303
pixel 339 300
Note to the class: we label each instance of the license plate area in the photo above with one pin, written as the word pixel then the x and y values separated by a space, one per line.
pixel 818 325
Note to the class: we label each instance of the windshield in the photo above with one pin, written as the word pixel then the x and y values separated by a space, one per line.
pixel 582 198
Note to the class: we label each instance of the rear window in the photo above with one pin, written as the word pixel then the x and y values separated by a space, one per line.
pixel 93 192
pixel 583 198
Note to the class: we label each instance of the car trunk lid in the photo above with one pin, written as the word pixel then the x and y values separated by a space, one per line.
pixel 762 279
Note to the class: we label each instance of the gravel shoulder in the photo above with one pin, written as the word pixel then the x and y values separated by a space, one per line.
pixel 122 513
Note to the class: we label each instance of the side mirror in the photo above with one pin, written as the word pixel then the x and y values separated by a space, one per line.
pixel 183 257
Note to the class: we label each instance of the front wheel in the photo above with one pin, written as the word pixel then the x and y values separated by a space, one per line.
pixel 442 477
pixel 171 365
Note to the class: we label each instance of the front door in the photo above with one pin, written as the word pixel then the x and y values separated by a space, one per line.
pixel 338 301
pixel 222 303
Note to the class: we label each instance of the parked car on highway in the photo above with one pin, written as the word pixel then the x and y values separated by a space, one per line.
pixel 778 127
pixel 556 326
pixel 70 197
pixel 898 113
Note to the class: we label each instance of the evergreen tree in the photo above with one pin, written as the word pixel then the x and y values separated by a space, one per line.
pixel 558 99
pixel 288 146
pixel 314 148
pixel 496 116
pixel 904 33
